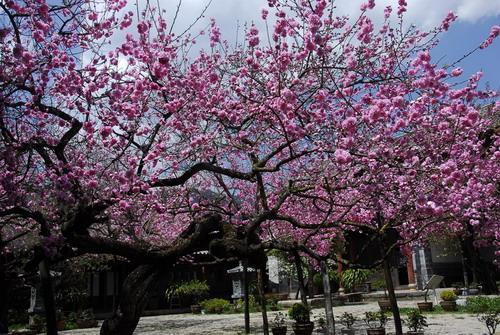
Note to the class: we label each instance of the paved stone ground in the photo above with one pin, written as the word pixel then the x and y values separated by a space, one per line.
pixel 226 324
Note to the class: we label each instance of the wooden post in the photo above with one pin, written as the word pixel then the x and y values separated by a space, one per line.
pixel 300 277
pixel 265 323
pixel 330 321
pixel 48 296
pixel 392 297
pixel 245 296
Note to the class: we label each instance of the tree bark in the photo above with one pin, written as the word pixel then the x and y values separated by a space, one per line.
pixel 245 297
pixel 48 295
pixel 392 297
pixel 139 286
pixel 483 272
pixel 330 320
pixel 265 323
pixel 300 277
pixel 4 317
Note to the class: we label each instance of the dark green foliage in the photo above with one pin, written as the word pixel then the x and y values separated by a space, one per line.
pixel 353 277
pixel 300 313
pixel 216 305
pixel 482 304
pixel 192 291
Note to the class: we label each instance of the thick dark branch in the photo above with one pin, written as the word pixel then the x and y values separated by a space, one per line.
pixel 198 168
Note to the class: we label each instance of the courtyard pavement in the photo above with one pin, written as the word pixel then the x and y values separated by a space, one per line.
pixel 225 324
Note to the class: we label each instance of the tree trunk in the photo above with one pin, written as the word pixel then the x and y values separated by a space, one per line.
pixel 392 297
pixel 48 295
pixel 330 321
pixel 245 297
pixel 300 277
pixel 311 290
pixel 139 286
pixel 265 323
pixel 4 317
pixel 483 272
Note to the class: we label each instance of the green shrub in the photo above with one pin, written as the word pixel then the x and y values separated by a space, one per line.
pixel 300 312
pixel 482 304
pixel 216 305
pixel 448 295
pixel 239 305
pixel 194 290
pixel 353 277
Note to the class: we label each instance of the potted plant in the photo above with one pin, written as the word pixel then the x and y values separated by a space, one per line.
pixel 86 319
pixel 491 320
pixel 376 323
pixel 347 320
pixel 473 289
pixel 279 327
pixel 60 323
pixel 191 292
pixel 416 322
pixel 301 314
pixel 457 288
pixel 384 303
pixel 449 302
pixel 425 306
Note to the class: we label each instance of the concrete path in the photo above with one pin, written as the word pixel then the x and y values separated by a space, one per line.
pixel 225 324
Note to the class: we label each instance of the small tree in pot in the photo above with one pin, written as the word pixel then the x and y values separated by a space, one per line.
pixel 302 315
pixel 491 320
pixel 376 322
pixel 347 320
pixel 416 322
pixel 279 327
pixel 425 306
pixel 449 302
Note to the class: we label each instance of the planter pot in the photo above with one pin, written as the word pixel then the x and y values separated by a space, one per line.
pixel 338 301
pixel 425 306
pixel 303 328
pixel 375 331
pixel 196 309
pixel 473 291
pixel 61 324
pixel 81 323
pixel 385 305
pixel 449 306
pixel 279 330
pixel 347 331
pixel 415 333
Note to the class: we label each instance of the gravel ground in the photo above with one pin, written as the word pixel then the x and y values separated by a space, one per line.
pixel 188 324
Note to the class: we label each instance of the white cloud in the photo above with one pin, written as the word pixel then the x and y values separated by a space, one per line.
pixel 423 13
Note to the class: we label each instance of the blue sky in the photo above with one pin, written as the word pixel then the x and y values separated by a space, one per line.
pixel 465 36
pixel 475 18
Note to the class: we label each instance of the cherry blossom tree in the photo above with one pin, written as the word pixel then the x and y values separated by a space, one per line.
pixel 141 149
